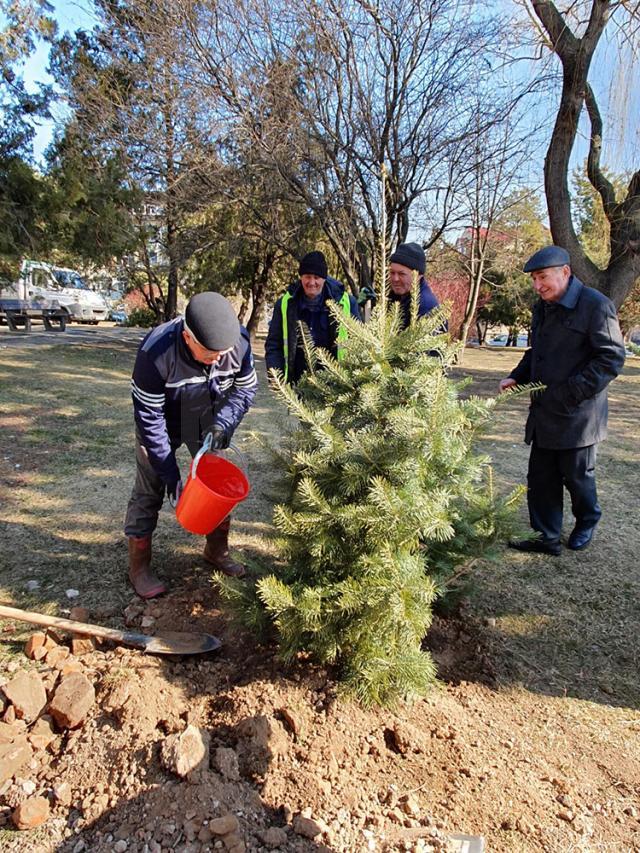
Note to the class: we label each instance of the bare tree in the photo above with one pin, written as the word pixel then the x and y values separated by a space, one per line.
pixel 573 35
pixel 328 92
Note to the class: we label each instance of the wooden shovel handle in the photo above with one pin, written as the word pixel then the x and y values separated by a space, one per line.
pixel 66 624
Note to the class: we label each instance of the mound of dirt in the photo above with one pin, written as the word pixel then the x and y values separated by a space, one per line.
pixel 230 751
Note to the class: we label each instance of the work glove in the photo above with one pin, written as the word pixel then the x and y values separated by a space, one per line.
pixel 174 493
pixel 219 439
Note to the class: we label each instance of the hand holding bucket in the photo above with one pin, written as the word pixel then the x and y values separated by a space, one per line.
pixel 214 487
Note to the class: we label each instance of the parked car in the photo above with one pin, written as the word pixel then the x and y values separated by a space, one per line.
pixel 501 341
pixel 118 316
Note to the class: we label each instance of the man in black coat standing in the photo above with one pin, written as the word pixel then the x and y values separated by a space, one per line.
pixel 576 350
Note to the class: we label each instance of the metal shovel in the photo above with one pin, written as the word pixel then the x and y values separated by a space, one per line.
pixel 169 643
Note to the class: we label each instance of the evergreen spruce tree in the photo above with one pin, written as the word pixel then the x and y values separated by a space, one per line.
pixel 389 504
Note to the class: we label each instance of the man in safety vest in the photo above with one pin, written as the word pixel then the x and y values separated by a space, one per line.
pixel 306 300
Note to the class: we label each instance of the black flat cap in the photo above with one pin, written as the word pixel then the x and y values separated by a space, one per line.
pixel 550 256
pixel 212 320
pixel 410 255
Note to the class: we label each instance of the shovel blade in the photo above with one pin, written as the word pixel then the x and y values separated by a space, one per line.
pixel 175 643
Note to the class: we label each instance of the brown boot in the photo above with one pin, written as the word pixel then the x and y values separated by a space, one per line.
pixel 216 552
pixel 144 581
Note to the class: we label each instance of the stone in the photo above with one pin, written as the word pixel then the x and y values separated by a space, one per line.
pixel 233 842
pixel 32 586
pixel 266 740
pixel 69 666
pixel 186 751
pixel 147 622
pixel 71 593
pixel 72 700
pixel 274 837
pixel 407 738
pixel 291 720
pixel 57 655
pixel 306 826
pixel 224 825
pixel 31 813
pixel 42 733
pixel 9 716
pixel 13 756
pixel 9 732
pixel 62 793
pixel 82 645
pixel 35 642
pixel 27 695
pixel 79 614
pixel 226 761
pixel 120 846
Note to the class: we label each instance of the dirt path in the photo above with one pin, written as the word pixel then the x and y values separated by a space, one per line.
pixel 532 739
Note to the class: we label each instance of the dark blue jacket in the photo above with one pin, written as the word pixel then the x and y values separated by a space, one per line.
pixel 427 301
pixel 177 400
pixel 321 325
pixel 576 350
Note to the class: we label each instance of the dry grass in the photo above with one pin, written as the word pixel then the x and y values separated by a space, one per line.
pixel 564 627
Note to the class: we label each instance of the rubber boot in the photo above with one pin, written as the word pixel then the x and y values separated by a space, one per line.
pixel 216 552
pixel 143 580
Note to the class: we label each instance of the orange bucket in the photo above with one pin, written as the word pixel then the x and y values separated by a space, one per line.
pixel 213 488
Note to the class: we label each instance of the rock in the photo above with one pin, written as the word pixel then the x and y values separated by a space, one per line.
pixel 72 700
pixel 82 645
pixel 9 716
pixel 57 655
pixel 132 613
pixel 407 738
pixel 79 614
pixel 234 843
pixel 226 761
pixel 147 622
pixel 71 593
pixel 35 642
pixel 13 756
pixel 265 740
pixel 32 586
pixel 186 751
pixel 31 813
pixel 306 826
pixel 42 733
pixel 9 732
pixel 69 666
pixel 292 721
pixel 410 806
pixel 62 793
pixel 224 825
pixel 566 814
pixel 273 837
pixel 120 846
pixel 27 695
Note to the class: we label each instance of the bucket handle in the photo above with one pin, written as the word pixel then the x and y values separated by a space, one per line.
pixel 206 446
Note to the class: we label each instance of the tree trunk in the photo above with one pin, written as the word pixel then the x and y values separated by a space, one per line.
pixel 575 55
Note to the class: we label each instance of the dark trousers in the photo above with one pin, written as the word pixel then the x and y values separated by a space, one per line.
pixel 549 472
pixel 147 495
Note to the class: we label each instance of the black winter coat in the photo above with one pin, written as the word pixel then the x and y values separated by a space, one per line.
pixel 576 350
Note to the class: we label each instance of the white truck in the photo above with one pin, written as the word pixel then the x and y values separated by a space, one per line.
pixel 46 286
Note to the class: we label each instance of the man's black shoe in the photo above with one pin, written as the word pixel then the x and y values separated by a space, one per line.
pixel 537 546
pixel 580 537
